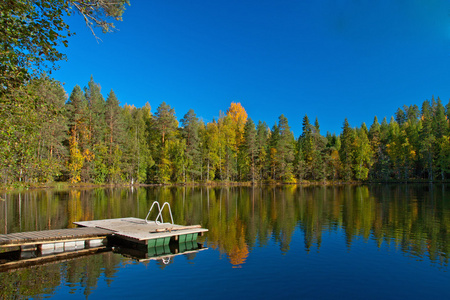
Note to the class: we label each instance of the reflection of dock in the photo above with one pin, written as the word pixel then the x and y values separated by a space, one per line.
pixel 164 253
pixel 20 259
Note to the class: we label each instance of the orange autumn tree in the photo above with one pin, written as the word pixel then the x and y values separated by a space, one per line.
pixel 239 116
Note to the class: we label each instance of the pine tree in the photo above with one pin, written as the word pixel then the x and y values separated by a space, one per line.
pixel 189 129
pixel 77 110
pixel 79 131
pixel 165 124
pixel 96 107
pixel 114 135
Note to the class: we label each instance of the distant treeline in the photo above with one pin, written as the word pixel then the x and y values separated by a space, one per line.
pixel 46 137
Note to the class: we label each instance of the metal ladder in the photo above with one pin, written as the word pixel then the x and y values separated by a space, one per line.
pixel 160 210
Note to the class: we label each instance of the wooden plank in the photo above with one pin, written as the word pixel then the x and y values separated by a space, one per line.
pixel 36 237
pixel 150 236
pixel 176 228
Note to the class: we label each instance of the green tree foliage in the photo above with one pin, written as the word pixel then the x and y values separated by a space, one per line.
pixel 138 156
pixel 362 154
pixel 284 151
pixel 427 140
pixel 250 151
pixel 190 133
pixel 32 131
pixel 305 152
pixel 346 151
pixel 211 152
pixel 165 125
pixel 262 136
pixel 32 32
pixel 88 139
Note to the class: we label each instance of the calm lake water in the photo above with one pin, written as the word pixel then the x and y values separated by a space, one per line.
pixel 352 242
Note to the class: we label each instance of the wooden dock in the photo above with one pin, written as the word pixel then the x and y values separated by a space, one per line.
pixel 148 233
pixel 94 236
pixel 39 247
pixel 52 236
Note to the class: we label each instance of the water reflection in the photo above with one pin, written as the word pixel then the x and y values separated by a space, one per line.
pixel 164 253
pixel 80 276
pixel 413 218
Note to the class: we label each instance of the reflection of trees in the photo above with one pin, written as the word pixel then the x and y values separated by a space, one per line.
pixel 78 274
pixel 29 282
pixel 415 219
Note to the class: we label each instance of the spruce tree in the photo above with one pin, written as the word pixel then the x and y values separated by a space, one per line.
pixel 346 151
pixel 262 136
pixel 250 148
pixel 285 150
pixel 273 156
pixel 427 139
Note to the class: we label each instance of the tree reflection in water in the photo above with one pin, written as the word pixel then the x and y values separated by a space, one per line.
pixel 413 218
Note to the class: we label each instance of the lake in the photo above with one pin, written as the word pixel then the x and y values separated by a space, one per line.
pixel 315 242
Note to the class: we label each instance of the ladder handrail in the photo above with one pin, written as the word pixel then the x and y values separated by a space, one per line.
pixel 160 209
pixel 150 210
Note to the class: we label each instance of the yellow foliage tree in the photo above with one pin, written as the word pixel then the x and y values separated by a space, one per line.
pixel 239 116
pixel 76 160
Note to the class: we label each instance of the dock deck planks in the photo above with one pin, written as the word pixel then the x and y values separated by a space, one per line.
pixel 132 229
pixel 36 237
pixel 141 231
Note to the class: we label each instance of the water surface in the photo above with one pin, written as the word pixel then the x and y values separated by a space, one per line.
pixel 364 242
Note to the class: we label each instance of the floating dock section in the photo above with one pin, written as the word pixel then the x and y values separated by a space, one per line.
pixel 97 236
pixel 150 233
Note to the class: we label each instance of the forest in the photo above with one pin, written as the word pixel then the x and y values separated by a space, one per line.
pixel 47 136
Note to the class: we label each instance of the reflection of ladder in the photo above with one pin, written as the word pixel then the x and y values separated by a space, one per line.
pixel 160 210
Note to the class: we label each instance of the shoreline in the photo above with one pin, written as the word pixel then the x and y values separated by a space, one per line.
pixel 66 185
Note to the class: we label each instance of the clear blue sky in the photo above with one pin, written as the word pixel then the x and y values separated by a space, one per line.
pixel 329 59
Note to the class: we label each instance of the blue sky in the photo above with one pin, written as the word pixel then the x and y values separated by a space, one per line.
pixel 329 59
